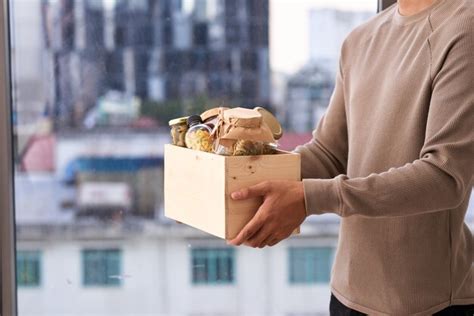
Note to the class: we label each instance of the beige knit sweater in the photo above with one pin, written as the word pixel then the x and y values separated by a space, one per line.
pixel 394 157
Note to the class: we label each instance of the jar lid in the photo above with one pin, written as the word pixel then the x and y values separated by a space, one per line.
pixel 179 120
pixel 271 121
pixel 194 119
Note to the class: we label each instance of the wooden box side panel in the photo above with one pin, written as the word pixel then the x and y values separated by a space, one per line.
pixel 194 189
pixel 247 171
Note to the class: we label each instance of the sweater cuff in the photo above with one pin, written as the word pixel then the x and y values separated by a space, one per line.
pixel 321 196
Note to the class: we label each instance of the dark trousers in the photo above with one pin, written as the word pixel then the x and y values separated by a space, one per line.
pixel 336 308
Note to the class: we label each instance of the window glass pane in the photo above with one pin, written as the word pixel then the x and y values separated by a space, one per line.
pixel 95 83
pixel 101 267
pixel 212 265
pixel 28 268
pixel 310 264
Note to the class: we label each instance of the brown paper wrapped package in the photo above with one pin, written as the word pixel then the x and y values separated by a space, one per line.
pixel 241 124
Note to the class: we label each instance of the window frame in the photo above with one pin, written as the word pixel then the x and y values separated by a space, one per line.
pixel 8 297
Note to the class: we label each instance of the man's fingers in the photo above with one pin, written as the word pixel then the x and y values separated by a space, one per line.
pixel 267 241
pixel 264 241
pixel 248 231
pixel 252 191
pixel 258 239
pixel 273 242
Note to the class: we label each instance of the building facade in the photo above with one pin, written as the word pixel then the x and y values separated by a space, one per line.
pixel 149 269
pixel 309 90
pixel 307 97
pixel 156 50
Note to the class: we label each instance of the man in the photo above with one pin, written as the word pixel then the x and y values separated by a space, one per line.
pixel 393 156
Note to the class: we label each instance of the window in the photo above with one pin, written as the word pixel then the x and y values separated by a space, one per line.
pixel 101 267
pixel 310 265
pixel 93 86
pixel 28 268
pixel 89 156
pixel 212 266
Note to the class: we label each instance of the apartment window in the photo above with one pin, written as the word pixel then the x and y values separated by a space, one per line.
pixel 102 267
pixel 213 265
pixel 310 264
pixel 28 268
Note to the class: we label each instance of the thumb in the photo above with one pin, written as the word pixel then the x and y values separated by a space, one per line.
pixel 253 191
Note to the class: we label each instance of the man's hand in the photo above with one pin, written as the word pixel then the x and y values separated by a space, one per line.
pixel 282 211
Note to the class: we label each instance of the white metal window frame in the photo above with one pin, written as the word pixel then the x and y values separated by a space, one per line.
pixel 8 304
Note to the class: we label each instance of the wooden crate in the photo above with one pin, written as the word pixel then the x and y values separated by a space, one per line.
pixel 198 186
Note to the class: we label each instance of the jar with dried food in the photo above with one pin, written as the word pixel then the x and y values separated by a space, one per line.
pixel 198 136
pixel 179 128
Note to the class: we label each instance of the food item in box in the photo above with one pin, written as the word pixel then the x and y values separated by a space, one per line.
pixel 179 127
pixel 242 132
pixel 198 136
pixel 253 148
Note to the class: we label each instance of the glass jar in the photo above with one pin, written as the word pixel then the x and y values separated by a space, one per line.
pixel 198 136
pixel 179 128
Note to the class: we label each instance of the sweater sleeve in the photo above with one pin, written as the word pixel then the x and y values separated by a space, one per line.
pixel 440 178
pixel 325 156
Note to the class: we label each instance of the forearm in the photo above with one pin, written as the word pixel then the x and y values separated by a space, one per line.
pixel 416 188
